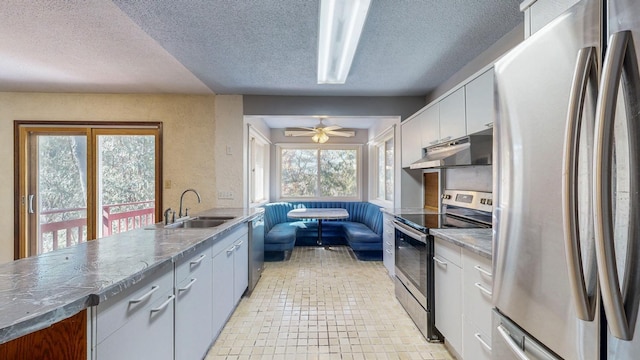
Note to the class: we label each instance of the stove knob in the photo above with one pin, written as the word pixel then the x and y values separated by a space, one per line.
pixel 446 197
pixel 483 201
pixel 489 202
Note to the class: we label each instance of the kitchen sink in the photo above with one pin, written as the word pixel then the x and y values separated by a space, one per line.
pixel 200 222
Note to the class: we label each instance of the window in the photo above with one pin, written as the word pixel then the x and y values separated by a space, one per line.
pixel 259 167
pixel 319 172
pixel 82 181
pixel 383 167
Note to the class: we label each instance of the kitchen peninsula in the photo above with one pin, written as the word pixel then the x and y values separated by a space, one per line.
pixel 40 291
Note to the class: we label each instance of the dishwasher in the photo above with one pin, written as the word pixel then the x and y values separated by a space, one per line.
pixel 256 251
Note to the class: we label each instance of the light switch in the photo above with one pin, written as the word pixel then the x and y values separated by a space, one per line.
pixel 167 184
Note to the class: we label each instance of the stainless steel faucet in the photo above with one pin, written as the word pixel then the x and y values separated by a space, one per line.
pixel 182 196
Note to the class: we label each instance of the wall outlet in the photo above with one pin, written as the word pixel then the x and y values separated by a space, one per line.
pixel 225 194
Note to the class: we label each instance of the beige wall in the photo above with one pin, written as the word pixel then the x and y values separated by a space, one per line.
pixel 229 149
pixel 192 141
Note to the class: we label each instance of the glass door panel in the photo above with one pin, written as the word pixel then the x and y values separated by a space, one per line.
pixel 57 196
pixel 126 181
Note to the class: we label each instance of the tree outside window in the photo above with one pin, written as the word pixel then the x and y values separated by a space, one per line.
pixel 307 172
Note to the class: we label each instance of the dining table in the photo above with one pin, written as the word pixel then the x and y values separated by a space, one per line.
pixel 319 214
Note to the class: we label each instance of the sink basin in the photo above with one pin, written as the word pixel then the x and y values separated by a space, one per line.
pixel 200 222
pixel 197 224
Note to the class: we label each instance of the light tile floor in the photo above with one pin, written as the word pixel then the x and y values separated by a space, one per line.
pixel 323 304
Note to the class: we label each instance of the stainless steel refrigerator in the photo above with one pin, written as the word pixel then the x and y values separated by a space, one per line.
pixel 566 252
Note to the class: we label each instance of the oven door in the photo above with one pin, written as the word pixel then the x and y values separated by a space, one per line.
pixel 412 254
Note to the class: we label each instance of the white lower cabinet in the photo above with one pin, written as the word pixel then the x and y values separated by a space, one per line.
pixel 463 286
pixel 179 310
pixel 137 323
pixel 477 291
pixel 448 293
pixel 194 310
pixel 230 275
pixel 388 244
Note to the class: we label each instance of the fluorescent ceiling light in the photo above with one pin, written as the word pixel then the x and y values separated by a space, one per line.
pixel 341 23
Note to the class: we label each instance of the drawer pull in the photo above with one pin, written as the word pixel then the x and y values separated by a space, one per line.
pixel 388 243
pixel 388 251
pixel 198 260
pixel 231 249
pixel 145 296
pixel 188 286
pixel 440 262
pixel 483 271
pixel 484 343
pixel 483 289
pixel 489 125
pixel 237 246
pixel 164 304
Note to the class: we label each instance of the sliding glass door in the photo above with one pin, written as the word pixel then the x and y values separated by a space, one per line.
pixel 80 183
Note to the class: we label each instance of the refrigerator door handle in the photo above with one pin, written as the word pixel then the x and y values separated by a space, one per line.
pixel 621 313
pixel 585 74
pixel 512 344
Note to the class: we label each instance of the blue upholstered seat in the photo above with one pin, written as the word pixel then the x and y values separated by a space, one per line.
pixel 362 230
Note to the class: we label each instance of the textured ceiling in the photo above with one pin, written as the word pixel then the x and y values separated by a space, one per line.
pixel 408 47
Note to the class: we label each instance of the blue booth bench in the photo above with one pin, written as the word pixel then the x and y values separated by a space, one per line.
pixel 362 230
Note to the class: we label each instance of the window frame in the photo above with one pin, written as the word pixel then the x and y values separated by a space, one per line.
pixel 257 137
pixel 319 147
pixel 374 185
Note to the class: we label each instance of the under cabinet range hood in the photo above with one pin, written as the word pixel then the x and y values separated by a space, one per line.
pixel 470 150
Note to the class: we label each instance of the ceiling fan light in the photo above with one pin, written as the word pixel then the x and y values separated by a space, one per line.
pixel 323 138
pixel 315 138
pixel 340 27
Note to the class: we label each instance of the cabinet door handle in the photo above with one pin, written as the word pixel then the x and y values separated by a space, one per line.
pixel 440 262
pixel 483 289
pixel 489 125
pixel 388 251
pixel 198 260
pixel 446 138
pixel 188 286
pixel 484 343
pixel 388 243
pixel 483 271
pixel 237 246
pixel 144 297
pixel 231 249
pixel 164 304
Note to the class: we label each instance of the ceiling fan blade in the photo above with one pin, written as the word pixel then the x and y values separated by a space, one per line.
pixel 341 133
pixel 332 127
pixel 306 133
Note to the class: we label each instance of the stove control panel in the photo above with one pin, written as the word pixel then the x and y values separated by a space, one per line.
pixel 469 199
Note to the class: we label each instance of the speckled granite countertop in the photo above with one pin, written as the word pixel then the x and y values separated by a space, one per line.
pixel 398 211
pixel 476 240
pixel 39 291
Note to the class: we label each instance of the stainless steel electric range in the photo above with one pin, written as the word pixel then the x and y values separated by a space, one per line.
pixel 414 286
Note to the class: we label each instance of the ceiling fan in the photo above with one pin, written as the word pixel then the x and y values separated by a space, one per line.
pixel 319 133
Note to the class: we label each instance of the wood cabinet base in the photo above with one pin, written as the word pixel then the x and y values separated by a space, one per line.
pixel 66 340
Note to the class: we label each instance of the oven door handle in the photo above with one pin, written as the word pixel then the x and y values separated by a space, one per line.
pixel 412 233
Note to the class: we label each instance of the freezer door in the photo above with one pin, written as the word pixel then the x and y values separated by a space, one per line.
pixel 531 283
pixel 619 122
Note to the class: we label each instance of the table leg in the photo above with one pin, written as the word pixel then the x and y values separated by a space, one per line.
pixel 320 232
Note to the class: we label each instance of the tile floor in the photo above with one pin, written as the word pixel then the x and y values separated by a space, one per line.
pixel 323 304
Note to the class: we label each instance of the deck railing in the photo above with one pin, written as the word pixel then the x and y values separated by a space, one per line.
pixel 116 218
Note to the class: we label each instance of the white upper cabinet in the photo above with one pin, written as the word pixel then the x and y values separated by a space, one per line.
pixel 539 13
pixel 411 141
pixel 452 116
pixel 479 104
pixel 431 125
